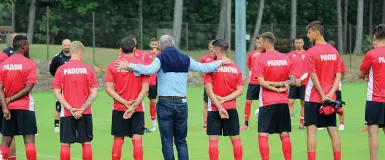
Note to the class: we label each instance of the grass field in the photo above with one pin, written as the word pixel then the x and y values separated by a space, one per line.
pixel 354 141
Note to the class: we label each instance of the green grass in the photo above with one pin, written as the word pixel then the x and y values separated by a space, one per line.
pixel 354 141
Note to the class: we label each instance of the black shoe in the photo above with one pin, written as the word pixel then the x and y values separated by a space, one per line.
pixel 147 130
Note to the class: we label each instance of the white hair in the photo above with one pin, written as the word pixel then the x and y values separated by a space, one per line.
pixel 166 41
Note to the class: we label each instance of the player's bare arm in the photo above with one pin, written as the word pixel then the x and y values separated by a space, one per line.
pixel 110 89
pixel 317 85
pixel 131 109
pixel 210 93
pixel 362 75
pixel 237 93
pixel 91 98
pixel 22 93
pixel 266 84
pixel 6 113
pixel 336 82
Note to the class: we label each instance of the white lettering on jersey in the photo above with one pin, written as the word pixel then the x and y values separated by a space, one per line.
pixel 228 69
pixel 328 57
pixel 381 59
pixel 277 63
pixel 75 71
pixel 13 67
pixel 123 71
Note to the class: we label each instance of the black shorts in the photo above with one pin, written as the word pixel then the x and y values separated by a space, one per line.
pixel 58 106
pixel 127 127
pixel 22 122
pixel 297 92
pixel 226 127
pixel 253 92
pixel 274 119
pixel 338 96
pixel 314 117
pixel 76 130
pixel 375 113
pixel 205 97
pixel 152 92
pixel 1 119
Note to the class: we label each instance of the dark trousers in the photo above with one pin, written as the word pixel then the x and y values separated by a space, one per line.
pixel 172 120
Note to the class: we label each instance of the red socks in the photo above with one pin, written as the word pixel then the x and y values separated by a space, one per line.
pixel 65 152
pixel 12 158
pixel 87 151
pixel 138 149
pixel 264 147
pixel 237 149
pixel 213 150
pixel 117 148
pixel 30 151
pixel 337 155
pixel 310 155
pixel 205 123
pixel 4 151
pixel 248 109
pixel 286 147
pixel 342 123
pixel 152 111
pixel 301 121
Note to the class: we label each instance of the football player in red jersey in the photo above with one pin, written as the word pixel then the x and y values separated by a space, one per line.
pixel 324 67
pixel 223 87
pixel 373 65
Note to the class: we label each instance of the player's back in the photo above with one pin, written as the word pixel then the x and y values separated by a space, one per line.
pixel 326 61
pixel 76 78
pixel 376 85
pixel 274 67
pixel 277 66
pixel 16 72
pixel 207 58
pixel 225 81
pixel 127 85
pixel 3 57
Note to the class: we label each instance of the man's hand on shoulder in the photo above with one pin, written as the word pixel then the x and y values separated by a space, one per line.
pixel 122 64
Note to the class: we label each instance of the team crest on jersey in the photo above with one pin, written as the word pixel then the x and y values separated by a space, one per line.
pixel 294 55
pixel 381 59
pixel 303 57
pixel 208 59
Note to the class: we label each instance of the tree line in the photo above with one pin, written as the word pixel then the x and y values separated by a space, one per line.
pixel 191 22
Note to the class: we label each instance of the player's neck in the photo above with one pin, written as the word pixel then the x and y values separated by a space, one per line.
pixel 320 40
pixel 76 57
pixel 270 48
pixel 299 51
pixel 66 54
pixel 380 43
pixel 128 54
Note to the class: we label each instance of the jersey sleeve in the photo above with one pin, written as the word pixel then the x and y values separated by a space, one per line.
pixel 109 77
pixel 249 60
pixel 92 80
pixel 202 59
pixel 57 80
pixel 208 78
pixel 338 66
pixel 258 68
pixel 32 75
pixel 366 63
pixel 1 75
pixel 145 78
pixel 310 64
pixel 239 78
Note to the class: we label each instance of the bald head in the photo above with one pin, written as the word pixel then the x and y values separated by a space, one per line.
pixel 166 41
pixel 65 46
pixel 77 49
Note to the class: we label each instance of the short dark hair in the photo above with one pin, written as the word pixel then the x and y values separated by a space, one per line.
pixel 299 37
pixel 153 39
pixel 221 44
pixel 18 41
pixel 332 43
pixel 127 45
pixel 379 32
pixel 268 36
pixel 316 26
